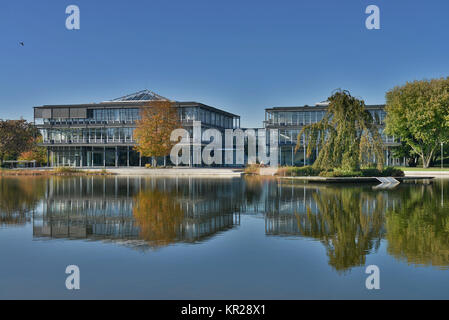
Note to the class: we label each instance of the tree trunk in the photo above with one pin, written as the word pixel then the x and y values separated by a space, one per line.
pixel 425 163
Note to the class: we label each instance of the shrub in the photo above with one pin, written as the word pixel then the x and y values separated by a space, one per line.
pixel 148 165
pixel 368 172
pixel 387 172
pixel 66 170
pixel 371 172
pixel 252 169
pixel 393 172
pixel 340 173
pixel 305 171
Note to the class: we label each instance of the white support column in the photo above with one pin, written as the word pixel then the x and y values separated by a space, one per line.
pixel 387 156
pixel 292 156
pixel 116 156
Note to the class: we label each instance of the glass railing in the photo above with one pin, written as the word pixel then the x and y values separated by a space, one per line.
pixel 87 121
pixel 88 141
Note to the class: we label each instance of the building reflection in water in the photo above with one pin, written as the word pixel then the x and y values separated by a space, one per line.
pixel 350 221
pixel 137 212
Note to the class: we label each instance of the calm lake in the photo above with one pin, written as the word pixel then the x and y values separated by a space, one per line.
pixel 224 238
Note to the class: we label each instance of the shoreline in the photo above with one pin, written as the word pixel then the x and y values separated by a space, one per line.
pixel 434 174
pixel 314 179
pixel 131 171
pixel 200 172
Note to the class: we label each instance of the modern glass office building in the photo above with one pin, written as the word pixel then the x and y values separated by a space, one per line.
pixel 101 134
pixel 290 120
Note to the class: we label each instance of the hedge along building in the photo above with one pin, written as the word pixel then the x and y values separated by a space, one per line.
pixel 101 134
pixel 290 120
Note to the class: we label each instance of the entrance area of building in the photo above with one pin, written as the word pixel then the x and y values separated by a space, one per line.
pixel 123 156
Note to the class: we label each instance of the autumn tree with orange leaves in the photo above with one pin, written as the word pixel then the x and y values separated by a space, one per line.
pixel 152 135
pixel 159 217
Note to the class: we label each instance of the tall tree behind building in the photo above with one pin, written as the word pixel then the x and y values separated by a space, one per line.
pixel 16 136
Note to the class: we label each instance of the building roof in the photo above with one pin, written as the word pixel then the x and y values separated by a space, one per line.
pixel 144 95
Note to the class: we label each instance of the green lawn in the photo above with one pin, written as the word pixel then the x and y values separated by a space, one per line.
pixel 422 169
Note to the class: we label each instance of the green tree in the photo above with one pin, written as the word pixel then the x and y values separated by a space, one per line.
pixel 346 222
pixel 16 136
pixel 417 230
pixel 347 136
pixel 405 151
pixel 18 197
pixel 418 114
pixel 36 152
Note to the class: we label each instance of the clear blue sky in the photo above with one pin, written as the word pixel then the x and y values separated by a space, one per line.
pixel 242 56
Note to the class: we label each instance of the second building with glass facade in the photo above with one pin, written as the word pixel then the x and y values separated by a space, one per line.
pixel 290 120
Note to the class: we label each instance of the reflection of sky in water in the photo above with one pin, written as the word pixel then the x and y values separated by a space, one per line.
pixel 223 238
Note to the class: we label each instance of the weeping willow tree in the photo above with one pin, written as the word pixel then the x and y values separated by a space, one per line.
pixel 348 222
pixel 347 136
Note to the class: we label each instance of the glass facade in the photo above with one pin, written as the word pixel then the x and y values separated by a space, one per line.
pixel 290 121
pixel 94 157
pixel 99 116
pixel 293 118
pixel 88 135
pixel 93 140
pixel 206 117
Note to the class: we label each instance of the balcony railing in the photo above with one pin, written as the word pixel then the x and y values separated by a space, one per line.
pixel 87 141
pixel 88 121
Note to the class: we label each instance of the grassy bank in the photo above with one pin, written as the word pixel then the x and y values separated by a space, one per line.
pixel 422 169
pixel 252 169
pixel 309 171
pixel 61 171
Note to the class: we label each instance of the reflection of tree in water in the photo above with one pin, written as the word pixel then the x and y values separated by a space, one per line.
pixel 254 188
pixel 158 216
pixel 418 231
pixel 348 222
pixel 18 197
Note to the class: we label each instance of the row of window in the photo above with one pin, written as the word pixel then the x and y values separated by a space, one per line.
pixel 300 118
pixel 130 115
pixel 88 135
pixel 206 117
pixel 114 115
pixel 378 116
pixel 290 136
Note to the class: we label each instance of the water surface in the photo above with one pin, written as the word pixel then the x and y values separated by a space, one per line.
pixel 251 238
